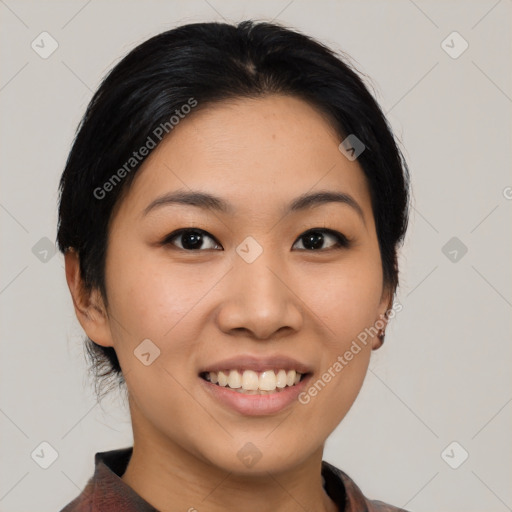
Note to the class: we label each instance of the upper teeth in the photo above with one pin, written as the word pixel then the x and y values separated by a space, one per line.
pixel 267 380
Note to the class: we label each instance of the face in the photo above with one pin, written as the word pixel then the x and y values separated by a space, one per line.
pixel 255 286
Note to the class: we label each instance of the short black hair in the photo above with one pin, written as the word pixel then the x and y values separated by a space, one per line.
pixel 201 64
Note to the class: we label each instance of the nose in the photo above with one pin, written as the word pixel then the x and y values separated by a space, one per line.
pixel 258 301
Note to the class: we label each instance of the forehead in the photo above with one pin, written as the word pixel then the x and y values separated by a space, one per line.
pixel 257 153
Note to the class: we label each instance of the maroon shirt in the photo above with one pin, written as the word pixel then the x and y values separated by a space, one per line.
pixel 107 492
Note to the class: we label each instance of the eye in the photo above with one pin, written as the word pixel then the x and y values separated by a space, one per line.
pixel 192 239
pixel 316 237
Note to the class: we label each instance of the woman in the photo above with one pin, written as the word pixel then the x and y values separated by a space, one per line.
pixel 230 215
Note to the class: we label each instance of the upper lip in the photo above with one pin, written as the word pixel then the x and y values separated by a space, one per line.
pixel 257 364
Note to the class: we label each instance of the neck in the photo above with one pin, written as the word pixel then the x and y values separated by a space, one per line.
pixel 171 478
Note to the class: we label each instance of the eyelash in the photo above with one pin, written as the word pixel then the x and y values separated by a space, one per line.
pixel 342 242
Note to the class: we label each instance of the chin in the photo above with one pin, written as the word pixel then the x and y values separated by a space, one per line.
pixel 259 457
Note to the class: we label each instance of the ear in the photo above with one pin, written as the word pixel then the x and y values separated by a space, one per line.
pixel 381 322
pixel 89 305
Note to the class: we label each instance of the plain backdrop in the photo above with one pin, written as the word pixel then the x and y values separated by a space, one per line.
pixel 440 388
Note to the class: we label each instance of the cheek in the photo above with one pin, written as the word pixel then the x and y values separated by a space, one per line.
pixel 149 297
pixel 152 297
pixel 345 296
pixel 150 300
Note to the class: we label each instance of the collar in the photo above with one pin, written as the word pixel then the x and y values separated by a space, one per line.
pixel 105 490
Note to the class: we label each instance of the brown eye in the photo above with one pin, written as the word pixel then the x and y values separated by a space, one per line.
pixel 191 239
pixel 315 238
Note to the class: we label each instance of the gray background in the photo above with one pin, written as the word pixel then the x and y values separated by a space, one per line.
pixel 443 374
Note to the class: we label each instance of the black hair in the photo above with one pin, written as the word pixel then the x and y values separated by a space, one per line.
pixel 197 65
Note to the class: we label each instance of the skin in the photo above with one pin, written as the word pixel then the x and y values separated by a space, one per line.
pixel 200 306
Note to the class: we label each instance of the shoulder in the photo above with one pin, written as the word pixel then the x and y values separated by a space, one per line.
pixel 105 490
pixel 346 493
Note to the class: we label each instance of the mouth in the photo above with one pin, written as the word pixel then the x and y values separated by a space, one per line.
pixel 250 382
pixel 254 385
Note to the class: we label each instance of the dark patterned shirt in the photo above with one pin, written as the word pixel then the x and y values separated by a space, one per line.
pixel 107 492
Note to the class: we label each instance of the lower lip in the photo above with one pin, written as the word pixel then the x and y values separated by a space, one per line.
pixel 256 405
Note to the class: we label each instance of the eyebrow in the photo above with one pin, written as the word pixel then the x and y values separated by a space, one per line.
pixel 208 201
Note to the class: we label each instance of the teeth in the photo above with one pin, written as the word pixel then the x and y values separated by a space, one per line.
pixel 267 380
pixel 281 379
pixel 223 379
pixel 249 381
pixel 234 380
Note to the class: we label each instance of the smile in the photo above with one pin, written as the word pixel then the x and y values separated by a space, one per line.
pixel 251 382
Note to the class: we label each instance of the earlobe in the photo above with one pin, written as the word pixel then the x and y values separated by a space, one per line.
pixel 382 321
pixel 89 308
pixel 380 324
